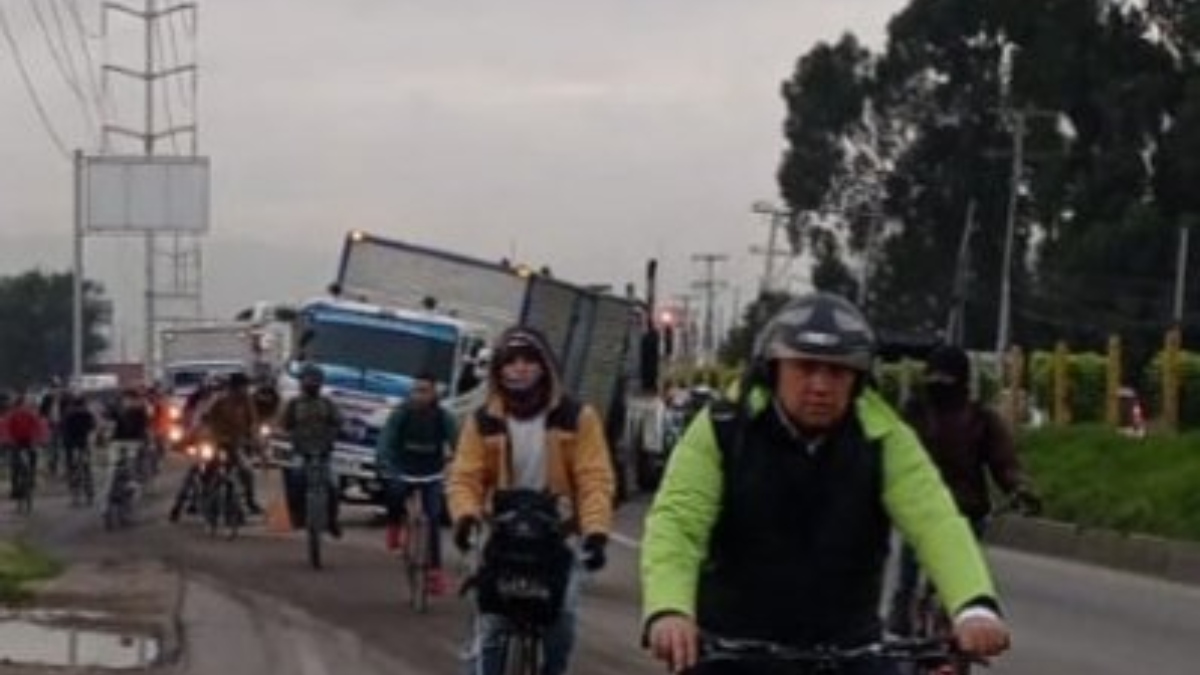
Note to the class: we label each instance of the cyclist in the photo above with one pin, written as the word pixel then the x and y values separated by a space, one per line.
pixel 77 426
pixel 773 517
pixel 968 442
pixel 312 421
pixel 529 434
pixel 24 428
pixel 233 423
pixel 414 444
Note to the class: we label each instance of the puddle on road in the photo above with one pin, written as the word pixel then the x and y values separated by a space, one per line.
pixel 49 638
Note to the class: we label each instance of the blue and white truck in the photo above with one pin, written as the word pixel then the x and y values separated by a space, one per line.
pixel 397 309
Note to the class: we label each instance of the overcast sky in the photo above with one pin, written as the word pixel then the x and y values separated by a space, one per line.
pixel 587 136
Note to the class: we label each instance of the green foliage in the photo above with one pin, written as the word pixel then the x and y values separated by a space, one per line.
pixel 35 336
pixel 898 381
pixel 891 148
pixel 1087 383
pixel 740 341
pixel 1189 383
pixel 20 564
pixel 1094 476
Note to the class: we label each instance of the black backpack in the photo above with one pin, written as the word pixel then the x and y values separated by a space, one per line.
pixel 526 561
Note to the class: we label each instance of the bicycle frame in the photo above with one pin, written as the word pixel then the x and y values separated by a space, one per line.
pixel 22 460
pixel 316 473
pixel 416 552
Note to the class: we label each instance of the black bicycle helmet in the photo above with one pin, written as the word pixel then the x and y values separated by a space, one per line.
pixel 818 326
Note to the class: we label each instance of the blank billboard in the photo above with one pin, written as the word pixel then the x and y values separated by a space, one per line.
pixel 145 194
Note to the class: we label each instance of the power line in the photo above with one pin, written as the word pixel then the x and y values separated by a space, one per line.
pixel 81 32
pixel 60 25
pixel 29 88
pixel 67 71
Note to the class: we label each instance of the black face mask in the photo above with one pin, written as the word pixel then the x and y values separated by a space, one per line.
pixel 945 395
pixel 311 389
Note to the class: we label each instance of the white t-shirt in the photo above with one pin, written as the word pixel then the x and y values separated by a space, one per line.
pixel 528 438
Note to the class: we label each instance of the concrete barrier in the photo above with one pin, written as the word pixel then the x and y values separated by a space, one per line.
pixel 1142 554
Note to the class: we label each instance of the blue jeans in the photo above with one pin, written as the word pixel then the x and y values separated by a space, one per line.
pixel 558 639
pixel 431 503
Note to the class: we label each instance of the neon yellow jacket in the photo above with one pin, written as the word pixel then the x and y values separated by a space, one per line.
pixel 688 502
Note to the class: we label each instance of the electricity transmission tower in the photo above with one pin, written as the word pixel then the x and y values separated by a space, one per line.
pixel 174 295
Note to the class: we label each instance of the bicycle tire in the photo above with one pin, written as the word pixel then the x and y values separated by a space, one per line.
pixel 213 507
pixel 417 561
pixel 522 654
pixel 24 491
pixel 314 524
pixel 234 516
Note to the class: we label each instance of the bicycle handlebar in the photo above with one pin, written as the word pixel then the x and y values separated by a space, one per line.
pixel 924 652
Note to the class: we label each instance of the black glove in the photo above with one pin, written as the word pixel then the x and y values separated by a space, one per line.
pixel 593 551
pixel 464 529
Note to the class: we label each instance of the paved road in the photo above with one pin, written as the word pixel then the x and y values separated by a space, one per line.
pixel 1069 619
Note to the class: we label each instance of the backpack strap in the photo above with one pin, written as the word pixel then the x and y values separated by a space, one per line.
pixel 729 425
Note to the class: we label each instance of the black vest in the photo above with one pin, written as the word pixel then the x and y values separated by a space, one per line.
pixel 799 548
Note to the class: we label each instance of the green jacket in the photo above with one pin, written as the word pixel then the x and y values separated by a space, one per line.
pixel 688 502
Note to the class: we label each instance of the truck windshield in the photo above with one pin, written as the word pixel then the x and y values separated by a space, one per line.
pixel 375 347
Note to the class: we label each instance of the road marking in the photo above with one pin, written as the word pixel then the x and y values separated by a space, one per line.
pixel 627 542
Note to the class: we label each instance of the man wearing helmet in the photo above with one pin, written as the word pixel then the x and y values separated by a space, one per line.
pixel 773 518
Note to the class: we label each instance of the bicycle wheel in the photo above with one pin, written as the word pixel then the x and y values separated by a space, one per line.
pixel 24 471
pixel 522 653
pixel 315 524
pixel 234 515
pixel 417 562
pixel 211 498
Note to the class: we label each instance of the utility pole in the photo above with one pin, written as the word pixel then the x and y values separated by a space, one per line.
pixel 1014 189
pixel 956 325
pixel 709 285
pixel 776 218
pixel 1181 275
pixel 150 75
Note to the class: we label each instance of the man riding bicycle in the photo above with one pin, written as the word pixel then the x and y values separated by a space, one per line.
pixel 968 442
pixel 529 434
pixel 233 423
pixel 312 421
pixel 773 518
pixel 411 455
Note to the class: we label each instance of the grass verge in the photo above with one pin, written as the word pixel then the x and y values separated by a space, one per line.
pixel 20 564
pixel 1093 476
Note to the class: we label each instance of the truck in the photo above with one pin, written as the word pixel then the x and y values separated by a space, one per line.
pixel 397 308
pixel 192 354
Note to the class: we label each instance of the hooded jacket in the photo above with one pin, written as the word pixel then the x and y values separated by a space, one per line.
pixel 577 455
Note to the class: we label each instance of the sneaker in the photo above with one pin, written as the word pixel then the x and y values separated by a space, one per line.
pixel 395 537
pixel 438 582
pixel 335 529
pixel 174 515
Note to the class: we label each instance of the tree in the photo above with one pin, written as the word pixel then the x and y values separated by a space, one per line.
pixel 739 343
pixel 898 146
pixel 35 336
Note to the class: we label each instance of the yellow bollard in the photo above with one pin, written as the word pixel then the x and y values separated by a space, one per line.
pixel 1170 380
pixel 1061 386
pixel 1112 385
